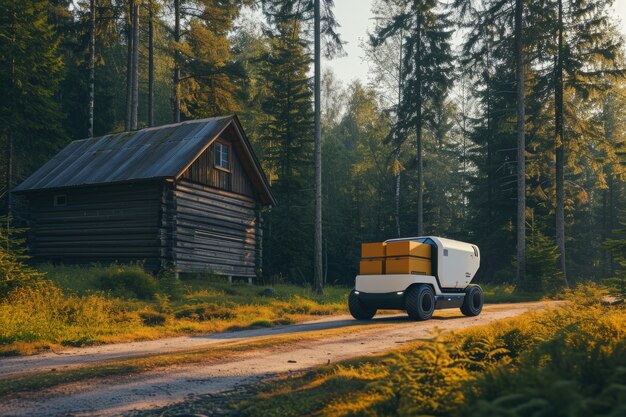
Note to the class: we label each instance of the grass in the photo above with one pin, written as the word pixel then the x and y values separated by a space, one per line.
pixel 507 293
pixel 82 306
pixel 72 310
pixel 565 362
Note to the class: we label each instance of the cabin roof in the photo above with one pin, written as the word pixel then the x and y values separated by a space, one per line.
pixel 153 153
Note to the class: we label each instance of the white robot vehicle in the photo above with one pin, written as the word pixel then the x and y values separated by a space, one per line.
pixel 418 275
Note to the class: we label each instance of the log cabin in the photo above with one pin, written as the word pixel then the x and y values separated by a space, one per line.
pixel 185 196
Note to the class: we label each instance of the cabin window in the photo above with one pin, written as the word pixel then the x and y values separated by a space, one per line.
pixel 60 200
pixel 222 156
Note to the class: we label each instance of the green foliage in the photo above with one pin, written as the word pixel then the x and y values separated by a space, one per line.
pixel 577 368
pixel 205 312
pixel 542 273
pixel 14 273
pixel 564 362
pixel 617 246
pixel 130 281
pixel 171 285
pixel 357 175
pixel 286 135
pixel 152 318
pixel 44 313
pixel 30 75
pixel 65 310
pixel 232 61
pixel 210 85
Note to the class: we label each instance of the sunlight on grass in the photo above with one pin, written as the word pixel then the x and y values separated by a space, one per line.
pixel 570 358
pixel 72 309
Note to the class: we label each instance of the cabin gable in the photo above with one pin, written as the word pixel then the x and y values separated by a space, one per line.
pixel 207 170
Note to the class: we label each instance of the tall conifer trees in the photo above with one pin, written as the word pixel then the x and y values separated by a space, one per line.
pixel 428 72
pixel 287 137
pixel 30 70
pixel 534 129
pixel 520 83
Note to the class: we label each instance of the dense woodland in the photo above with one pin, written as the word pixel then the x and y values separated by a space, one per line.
pixel 478 110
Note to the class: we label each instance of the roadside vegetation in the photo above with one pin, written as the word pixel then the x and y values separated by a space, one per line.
pixel 565 362
pixel 57 306
pixel 81 306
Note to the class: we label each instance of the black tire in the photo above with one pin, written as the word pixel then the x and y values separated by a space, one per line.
pixel 419 302
pixel 357 309
pixel 473 301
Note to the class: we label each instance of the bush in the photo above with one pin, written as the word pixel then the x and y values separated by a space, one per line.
pixel 542 273
pixel 206 312
pixel 170 284
pixel 129 281
pixel 152 318
pixel 13 272
pixel 42 312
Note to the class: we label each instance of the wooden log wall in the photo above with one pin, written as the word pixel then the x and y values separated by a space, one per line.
pixel 110 223
pixel 215 231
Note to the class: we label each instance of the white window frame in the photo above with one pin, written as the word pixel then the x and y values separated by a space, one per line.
pixel 222 157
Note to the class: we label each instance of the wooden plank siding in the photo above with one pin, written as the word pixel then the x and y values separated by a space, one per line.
pixel 216 231
pixel 109 223
pixel 203 171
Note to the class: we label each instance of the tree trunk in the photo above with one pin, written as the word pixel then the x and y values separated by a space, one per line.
pixel 397 196
pixel 176 98
pixel 317 265
pixel 398 143
pixel 9 171
pixel 521 144
pixel 129 65
pixel 135 68
pixel 151 63
pixel 489 133
pixel 418 127
pixel 92 63
pixel 559 145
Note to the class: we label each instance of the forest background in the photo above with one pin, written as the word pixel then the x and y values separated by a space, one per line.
pixel 427 146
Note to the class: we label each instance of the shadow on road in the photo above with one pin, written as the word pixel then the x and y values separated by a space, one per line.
pixel 307 327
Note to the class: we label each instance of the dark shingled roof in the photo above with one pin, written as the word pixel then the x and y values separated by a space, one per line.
pixel 156 152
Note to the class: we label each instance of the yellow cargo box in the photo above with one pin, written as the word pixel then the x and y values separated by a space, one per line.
pixel 408 248
pixel 372 266
pixel 408 265
pixel 373 250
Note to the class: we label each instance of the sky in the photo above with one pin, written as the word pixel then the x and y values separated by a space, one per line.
pixel 354 16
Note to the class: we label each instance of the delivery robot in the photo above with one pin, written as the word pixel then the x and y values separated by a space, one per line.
pixel 418 275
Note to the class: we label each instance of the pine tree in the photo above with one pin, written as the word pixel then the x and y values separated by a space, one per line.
pixel 287 136
pixel 296 12
pixel 209 85
pixel 92 63
pixel 387 72
pixel 489 63
pixel 177 61
pixel 134 76
pixel 29 78
pixel 151 19
pixel 428 64
pixel 582 62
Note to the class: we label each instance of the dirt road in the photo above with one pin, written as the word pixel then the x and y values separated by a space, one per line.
pixel 117 395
